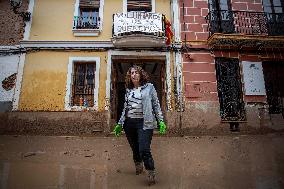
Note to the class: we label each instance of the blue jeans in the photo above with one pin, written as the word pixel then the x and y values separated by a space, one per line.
pixel 140 142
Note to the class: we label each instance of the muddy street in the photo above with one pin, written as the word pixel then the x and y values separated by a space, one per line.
pixel 234 161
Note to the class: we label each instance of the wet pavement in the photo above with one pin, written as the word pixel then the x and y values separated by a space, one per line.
pixel 233 161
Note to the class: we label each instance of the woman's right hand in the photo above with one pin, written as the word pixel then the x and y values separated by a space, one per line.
pixel 117 130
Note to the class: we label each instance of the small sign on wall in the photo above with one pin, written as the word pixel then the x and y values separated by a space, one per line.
pixel 253 78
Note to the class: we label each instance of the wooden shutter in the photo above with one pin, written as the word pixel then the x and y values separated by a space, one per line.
pixel 141 4
pixel 89 3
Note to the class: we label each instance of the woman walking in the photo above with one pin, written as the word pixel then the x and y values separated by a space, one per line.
pixel 139 118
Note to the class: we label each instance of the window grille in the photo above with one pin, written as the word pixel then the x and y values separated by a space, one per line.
pixel 83 84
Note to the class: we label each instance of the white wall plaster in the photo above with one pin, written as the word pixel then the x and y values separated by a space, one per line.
pixel 8 66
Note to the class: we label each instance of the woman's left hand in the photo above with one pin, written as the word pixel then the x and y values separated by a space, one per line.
pixel 163 128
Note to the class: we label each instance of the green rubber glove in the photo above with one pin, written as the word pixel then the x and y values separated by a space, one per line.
pixel 117 130
pixel 163 128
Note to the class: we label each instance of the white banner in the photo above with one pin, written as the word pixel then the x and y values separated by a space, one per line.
pixel 137 21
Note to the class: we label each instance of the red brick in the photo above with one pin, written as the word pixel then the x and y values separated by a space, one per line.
pixel 195 27
pixel 234 54
pixel 192 90
pixel 204 12
pixel 188 76
pixel 200 4
pixel 193 11
pixel 255 7
pixel 254 58
pixel 255 99
pixel 188 19
pixel 200 46
pixel 193 93
pixel 201 57
pixel 241 1
pixel 198 67
pixel 218 54
pixel 187 3
pixel 185 58
pixel 190 36
pixel 239 6
pixel 202 36
pixel 208 87
pixel 205 27
pixel 200 19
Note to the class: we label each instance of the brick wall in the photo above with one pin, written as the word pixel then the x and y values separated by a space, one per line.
pixel 11 25
pixel 199 76
pixel 193 23
pixel 247 5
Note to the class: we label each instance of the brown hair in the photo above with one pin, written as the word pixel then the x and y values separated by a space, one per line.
pixel 144 77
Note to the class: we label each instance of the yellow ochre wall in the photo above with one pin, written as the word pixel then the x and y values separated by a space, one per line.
pixel 45 76
pixel 53 19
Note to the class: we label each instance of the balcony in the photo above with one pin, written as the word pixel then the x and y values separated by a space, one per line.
pixel 86 26
pixel 138 29
pixel 245 29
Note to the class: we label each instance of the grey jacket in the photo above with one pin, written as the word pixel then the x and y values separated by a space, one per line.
pixel 151 107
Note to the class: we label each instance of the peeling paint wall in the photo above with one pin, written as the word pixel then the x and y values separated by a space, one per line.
pixel 44 80
pixel 11 25
pixel 8 67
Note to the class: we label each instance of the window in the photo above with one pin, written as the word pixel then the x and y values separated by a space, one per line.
pixel 223 6
pixel 88 16
pixel 274 10
pixel 273 6
pixel 221 16
pixel 140 5
pixel 83 84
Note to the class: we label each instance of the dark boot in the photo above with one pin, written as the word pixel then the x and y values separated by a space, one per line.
pixel 234 127
pixel 151 177
pixel 139 167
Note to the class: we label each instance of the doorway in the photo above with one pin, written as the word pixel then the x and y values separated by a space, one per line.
pixel 230 89
pixel 273 76
pixel 154 67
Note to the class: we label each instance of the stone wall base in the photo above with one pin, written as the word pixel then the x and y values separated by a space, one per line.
pixel 53 123
pixel 203 118
pixel 198 118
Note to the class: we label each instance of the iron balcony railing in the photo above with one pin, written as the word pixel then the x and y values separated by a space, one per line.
pixel 83 22
pixel 250 23
pixel 139 25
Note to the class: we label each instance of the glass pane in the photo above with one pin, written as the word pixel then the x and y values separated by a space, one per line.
pixel 276 3
pixel 278 9
pixel 266 3
pixel 211 5
pixel 90 74
pixel 224 5
pixel 268 9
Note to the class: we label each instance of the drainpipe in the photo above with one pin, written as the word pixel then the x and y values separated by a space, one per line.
pixel 178 62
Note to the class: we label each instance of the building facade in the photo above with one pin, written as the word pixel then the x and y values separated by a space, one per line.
pixel 76 54
pixel 221 66
pixel 232 63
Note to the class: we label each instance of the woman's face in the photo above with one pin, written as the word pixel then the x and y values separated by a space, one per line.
pixel 135 76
